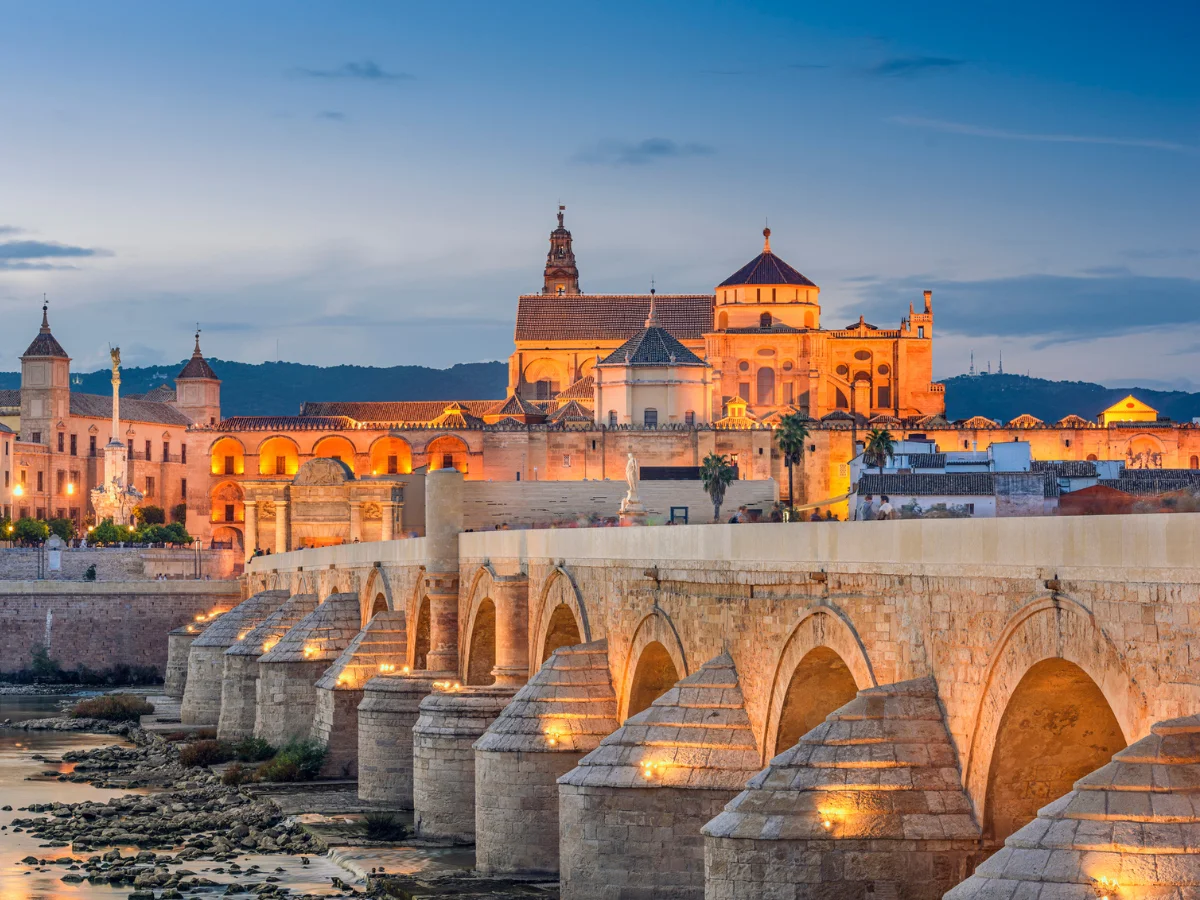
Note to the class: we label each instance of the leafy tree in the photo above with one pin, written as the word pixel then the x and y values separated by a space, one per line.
pixel 6 528
pixel 64 528
pixel 30 531
pixel 791 435
pixel 179 513
pixel 878 448
pixel 716 473
pixel 149 515
pixel 108 533
pixel 175 533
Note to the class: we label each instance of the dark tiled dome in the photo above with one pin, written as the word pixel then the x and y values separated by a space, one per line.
pixel 45 344
pixel 766 268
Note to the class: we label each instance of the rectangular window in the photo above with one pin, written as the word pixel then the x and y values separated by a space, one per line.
pixel 6 477
pixel 281 465
pixel 566 460
pixel 62 442
pixel 24 513
pixel 183 453
pixel 73 481
pixel 166 451
pixel 41 483
pixel 447 460
pixel 612 418
pixel 91 445
pixel 885 396
pixel 182 488
pixel 228 512
pixel 650 418
pixel 689 417
pixel 74 445
pixel 971 509
pixel 60 486
pixel 41 513
pixel 393 467
pixel 149 486
pixel 789 392
pixel 920 331
pixel 75 514
pixel 229 465
pixel 37 437
pixel 147 449
pixel 744 391
pixel 60 513
pixel 24 472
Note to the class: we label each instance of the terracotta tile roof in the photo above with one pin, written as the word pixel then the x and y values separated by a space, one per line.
pixel 1074 421
pixel 392 411
pixel 583 389
pixel 99 406
pixel 1071 468
pixel 962 484
pixel 652 346
pixel 197 367
pixel 284 423
pixel 456 415
pixel 10 398
pixel 978 422
pixel 610 317
pixel 766 268
pixel 573 411
pixel 515 406
pixel 164 393
pixel 927 460
pixel 1025 420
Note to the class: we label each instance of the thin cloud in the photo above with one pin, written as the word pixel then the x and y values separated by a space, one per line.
pixel 640 153
pixel 331 115
pixel 912 66
pixel 8 265
pixel 367 70
pixel 26 250
pixel 9 229
pixel 1048 138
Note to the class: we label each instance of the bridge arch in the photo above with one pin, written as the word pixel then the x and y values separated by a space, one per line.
pixel 479 639
pixel 823 646
pixel 376 596
pixel 655 661
pixel 417 611
pixel 1085 667
pixel 561 621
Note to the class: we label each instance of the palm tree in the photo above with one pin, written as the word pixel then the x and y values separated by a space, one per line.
pixel 878 448
pixel 716 472
pixel 791 435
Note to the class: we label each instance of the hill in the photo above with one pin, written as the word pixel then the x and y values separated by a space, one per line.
pixel 1004 397
pixel 278 388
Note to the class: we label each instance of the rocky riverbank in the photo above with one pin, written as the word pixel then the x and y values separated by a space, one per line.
pixel 190 817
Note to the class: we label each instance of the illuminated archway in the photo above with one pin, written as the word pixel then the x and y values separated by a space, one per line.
pixel 228 503
pixel 654 676
pixel 378 605
pixel 278 456
pixel 225 536
pixel 228 457
pixel 447 452
pixel 766 386
pixel 391 456
pixel 544 378
pixel 561 631
pixel 1056 728
pixel 481 657
pixel 819 685
pixel 335 446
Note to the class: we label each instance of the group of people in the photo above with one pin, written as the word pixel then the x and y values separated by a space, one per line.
pixel 867 511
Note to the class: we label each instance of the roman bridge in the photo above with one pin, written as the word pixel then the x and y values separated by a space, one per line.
pixel 901 697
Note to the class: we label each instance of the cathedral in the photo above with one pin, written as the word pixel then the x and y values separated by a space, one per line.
pixel 757 339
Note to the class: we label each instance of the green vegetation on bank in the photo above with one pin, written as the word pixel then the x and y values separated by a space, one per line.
pixel 113 708
pixel 44 670
pixel 295 761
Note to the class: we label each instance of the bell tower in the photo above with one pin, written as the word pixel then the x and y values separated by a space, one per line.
pixel 561 276
pixel 45 385
pixel 198 389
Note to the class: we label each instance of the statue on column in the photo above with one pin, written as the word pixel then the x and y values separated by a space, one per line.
pixel 115 353
pixel 632 512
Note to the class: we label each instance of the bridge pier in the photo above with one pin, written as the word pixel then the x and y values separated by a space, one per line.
pixel 239 681
pixel 381 644
pixel 868 804
pixel 386 716
pixel 288 672
pixel 561 714
pixel 630 813
pixel 449 723
pixel 206 658
pixel 179 644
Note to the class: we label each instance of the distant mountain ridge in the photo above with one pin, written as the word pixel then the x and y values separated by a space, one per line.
pixel 278 389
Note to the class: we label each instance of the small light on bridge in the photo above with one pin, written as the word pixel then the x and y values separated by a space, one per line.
pixel 387 668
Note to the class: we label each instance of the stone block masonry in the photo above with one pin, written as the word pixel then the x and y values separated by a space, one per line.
pixel 101 624
pixel 386 716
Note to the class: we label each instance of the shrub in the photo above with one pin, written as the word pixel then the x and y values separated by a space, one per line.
pixel 64 528
pixel 204 753
pixel 149 515
pixel 43 666
pixel 252 749
pixel 30 531
pixel 113 708
pixel 179 513
pixel 108 533
pixel 235 775
pixel 90 573
pixel 297 761
pixel 175 533
pixel 384 826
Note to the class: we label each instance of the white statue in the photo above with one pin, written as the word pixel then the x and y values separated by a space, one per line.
pixel 632 473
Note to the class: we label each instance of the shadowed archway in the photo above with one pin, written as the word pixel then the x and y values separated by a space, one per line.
pixel 1056 728
pixel 562 631
pixel 482 658
pixel 654 676
pixel 421 638
pixel 819 685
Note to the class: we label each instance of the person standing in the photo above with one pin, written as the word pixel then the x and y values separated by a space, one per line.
pixel 866 509
pixel 885 508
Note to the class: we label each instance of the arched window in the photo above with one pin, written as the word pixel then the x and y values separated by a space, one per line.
pixel 764 321
pixel 723 321
pixel 612 418
pixel 1194 462
pixel 1091 457
pixel 766 386
pixel 650 417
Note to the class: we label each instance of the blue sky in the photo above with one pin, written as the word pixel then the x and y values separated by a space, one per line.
pixel 374 182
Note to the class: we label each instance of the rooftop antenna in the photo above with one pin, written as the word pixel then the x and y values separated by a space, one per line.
pixel 1000 369
pixel 971 371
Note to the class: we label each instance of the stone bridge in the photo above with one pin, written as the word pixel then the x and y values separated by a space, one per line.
pixel 846 709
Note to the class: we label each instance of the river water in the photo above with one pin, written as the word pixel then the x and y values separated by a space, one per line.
pixel 22 783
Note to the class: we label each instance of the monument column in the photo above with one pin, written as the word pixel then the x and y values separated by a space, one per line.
pixel 510 593
pixel 442 590
pixel 251 527
pixel 443 518
pixel 355 520
pixel 281 526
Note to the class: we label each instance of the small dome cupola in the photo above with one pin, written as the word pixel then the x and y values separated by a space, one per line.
pixel 197 366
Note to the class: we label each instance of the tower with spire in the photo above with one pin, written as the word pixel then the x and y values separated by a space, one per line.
pixel 45 384
pixel 561 275
pixel 198 389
